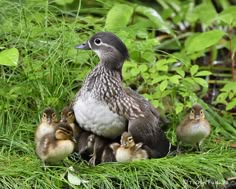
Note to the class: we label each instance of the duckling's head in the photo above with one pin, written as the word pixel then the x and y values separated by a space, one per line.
pixel 127 140
pixel 49 116
pixel 67 115
pixel 111 51
pixel 196 112
pixel 64 132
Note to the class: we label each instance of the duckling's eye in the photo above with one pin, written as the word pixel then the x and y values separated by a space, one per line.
pixel 130 139
pixel 70 114
pixel 97 41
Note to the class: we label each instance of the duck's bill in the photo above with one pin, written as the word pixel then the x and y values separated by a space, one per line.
pixel 83 46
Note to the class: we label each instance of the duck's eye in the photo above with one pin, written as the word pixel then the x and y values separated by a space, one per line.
pixel 97 41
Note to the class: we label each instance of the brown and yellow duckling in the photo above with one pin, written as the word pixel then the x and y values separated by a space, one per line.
pixel 194 128
pixel 128 150
pixel 67 115
pixel 47 125
pixel 56 146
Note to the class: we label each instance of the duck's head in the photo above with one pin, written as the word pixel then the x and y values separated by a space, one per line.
pixel 67 115
pixel 110 49
pixel 127 140
pixel 64 132
pixel 196 112
pixel 49 116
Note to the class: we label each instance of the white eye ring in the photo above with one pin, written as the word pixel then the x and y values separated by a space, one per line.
pixel 98 41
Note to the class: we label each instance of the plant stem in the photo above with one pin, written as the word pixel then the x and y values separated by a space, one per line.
pixel 232 53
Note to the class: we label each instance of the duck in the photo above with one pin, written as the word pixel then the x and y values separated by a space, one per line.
pixel 67 115
pixel 91 147
pixel 47 125
pixel 194 128
pixel 56 146
pixel 106 108
pixel 128 150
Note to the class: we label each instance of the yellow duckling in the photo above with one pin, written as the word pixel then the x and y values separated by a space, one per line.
pixel 128 150
pixel 194 128
pixel 47 125
pixel 58 145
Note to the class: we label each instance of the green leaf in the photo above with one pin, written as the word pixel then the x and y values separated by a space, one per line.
pixel 158 79
pixel 180 72
pixel 143 68
pixel 206 17
pixel 231 104
pixel 194 69
pixel 201 82
pixel 155 17
pixel 163 68
pixel 163 85
pixel 175 79
pixel 202 41
pixel 179 107
pixel 9 57
pixel 134 71
pixel 203 73
pixel 228 16
pixel 118 17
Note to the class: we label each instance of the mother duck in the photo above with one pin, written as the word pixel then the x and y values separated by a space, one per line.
pixel 105 107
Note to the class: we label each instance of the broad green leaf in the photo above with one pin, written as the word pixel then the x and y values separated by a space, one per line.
pixel 231 104
pixel 163 85
pixel 9 57
pixel 194 69
pixel 134 71
pixel 118 17
pixel 143 68
pixel 206 17
pixel 221 98
pixel 175 79
pixel 203 73
pixel 180 72
pixel 158 79
pixel 228 16
pixel 202 41
pixel 201 82
pixel 179 107
pixel 155 17
pixel 230 86
pixel 162 68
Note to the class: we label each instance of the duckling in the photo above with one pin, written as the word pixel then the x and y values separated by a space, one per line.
pixel 128 150
pixel 56 146
pixel 91 146
pixel 194 128
pixel 108 155
pixel 47 125
pixel 67 115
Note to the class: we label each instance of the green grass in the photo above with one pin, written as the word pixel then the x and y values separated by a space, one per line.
pixel 49 73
